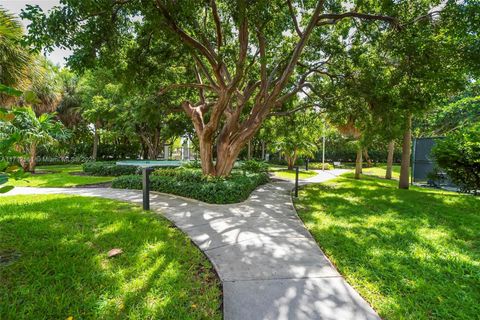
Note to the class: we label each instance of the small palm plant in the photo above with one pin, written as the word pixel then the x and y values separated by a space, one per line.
pixel 34 131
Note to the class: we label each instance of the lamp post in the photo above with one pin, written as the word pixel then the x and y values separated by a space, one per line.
pixel 296 182
pixel 323 146
pixel 146 187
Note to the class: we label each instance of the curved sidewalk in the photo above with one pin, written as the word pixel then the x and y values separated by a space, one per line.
pixel 270 266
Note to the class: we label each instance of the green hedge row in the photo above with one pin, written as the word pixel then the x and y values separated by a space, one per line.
pixel 190 183
pixel 99 168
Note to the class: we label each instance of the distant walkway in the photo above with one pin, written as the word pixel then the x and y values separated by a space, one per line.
pixel 270 266
pixel 325 175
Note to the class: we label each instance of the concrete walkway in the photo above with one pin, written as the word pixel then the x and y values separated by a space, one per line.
pixel 270 266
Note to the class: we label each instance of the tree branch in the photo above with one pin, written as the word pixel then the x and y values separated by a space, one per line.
pixel 218 25
pixel 294 18
pixel 191 42
pixel 332 18
pixel 187 85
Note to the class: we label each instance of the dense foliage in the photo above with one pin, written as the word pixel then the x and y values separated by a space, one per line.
pixel 459 155
pixel 105 169
pixel 33 131
pixel 230 65
pixel 254 166
pixel 7 150
pixel 192 183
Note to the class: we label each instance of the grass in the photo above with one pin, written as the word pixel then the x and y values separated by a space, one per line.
pixel 63 270
pixel 290 174
pixel 412 254
pixel 379 171
pixel 58 176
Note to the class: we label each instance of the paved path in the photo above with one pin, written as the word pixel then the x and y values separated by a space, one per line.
pixel 270 266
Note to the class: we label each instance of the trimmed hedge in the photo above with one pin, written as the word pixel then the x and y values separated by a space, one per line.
pixel 192 184
pixel 99 168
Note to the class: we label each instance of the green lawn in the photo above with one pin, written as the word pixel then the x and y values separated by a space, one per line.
pixel 58 176
pixel 63 270
pixel 290 174
pixel 379 171
pixel 412 254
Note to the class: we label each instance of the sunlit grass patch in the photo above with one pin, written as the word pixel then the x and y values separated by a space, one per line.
pixel 58 176
pixel 290 174
pixel 62 268
pixel 413 254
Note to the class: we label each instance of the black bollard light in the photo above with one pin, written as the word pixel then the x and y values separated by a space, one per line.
pixel 146 188
pixel 306 165
pixel 296 182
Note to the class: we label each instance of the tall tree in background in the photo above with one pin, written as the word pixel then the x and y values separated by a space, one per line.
pixel 295 135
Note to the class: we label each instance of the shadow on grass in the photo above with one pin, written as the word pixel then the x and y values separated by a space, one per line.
pixel 64 269
pixel 411 253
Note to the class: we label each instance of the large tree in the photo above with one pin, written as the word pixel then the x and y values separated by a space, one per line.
pixel 244 57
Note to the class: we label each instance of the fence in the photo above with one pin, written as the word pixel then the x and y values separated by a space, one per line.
pixel 423 163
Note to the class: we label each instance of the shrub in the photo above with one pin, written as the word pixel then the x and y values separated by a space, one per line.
pixel 195 164
pixel 99 168
pixel 254 166
pixel 459 155
pixel 233 189
pixel 181 174
pixel 318 166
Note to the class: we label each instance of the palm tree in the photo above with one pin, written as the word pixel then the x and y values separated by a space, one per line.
pixel 14 58
pixel 34 131
pixel 45 84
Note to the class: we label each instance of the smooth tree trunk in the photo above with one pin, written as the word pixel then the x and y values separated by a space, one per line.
pixel 404 182
pixel 96 141
pixel 249 153
pixel 367 158
pixel 144 150
pixel 391 150
pixel 32 163
pixel 263 150
pixel 206 155
pixel 291 159
pixel 358 164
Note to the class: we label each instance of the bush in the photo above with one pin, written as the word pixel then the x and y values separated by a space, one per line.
pixel 98 168
pixel 195 164
pixel 318 166
pixel 191 184
pixel 254 166
pixel 181 174
pixel 459 155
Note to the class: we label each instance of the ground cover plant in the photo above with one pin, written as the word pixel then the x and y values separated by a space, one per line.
pixel 58 176
pixel 193 184
pixel 54 263
pixel 411 254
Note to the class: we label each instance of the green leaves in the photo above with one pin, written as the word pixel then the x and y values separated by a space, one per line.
pixel 459 155
pixel 10 91
pixel 5 189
